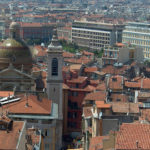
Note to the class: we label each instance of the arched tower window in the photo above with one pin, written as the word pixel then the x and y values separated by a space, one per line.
pixel 54 67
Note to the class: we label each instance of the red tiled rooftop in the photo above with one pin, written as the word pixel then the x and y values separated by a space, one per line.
pixel 119 97
pixel 89 88
pixel 9 141
pixel 145 114
pixel 133 136
pixel 121 107
pixel 30 105
pixel 65 68
pixel 101 104
pixel 94 82
pixel 6 93
pixel 97 142
pixel 116 82
pixel 145 83
pixel 109 69
pixel 129 84
pixel 87 53
pixel 65 86
pixel 75 67
pixel 96 96
pixel 68 54
pixel 90 69
pixel 143 94
pixel 80 79
pixel 101 87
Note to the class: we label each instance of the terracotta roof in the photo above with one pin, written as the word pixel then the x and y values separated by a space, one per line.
pixel 99 73
pixel 119 97
pixel 97 142
pixel 65 68
pixel 9 141
pixel 94 82
pixel 109 69
pixel 80 79
pixel 90 69
pixel 145 114
pixel 68 55
pixel 30 105
pixel 75 67
pixel 145 83
pixel 143 94
pixel 66 87
pixel 101 104
pixel 6 93
pixel 87 111
pixel 40 48
pixel 34 24
pixel 121 107
pixel 101 87
pixel 129 84
pixel 89 88
pixel 42 53
pixel 36 69
pixel 87 53
pixel 96 96
pixel 82 60
pixel 116 82
pixel 133 136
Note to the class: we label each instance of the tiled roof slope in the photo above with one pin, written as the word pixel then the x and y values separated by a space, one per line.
pixel 133 136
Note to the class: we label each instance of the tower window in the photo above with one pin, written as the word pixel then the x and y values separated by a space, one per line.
pixel 54 67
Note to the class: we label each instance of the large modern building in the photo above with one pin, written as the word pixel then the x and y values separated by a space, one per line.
pixel 95 35
pixel 138 34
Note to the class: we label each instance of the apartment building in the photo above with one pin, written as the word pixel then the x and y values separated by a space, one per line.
pixel 36 31
pixel 95 35
pixel 122 53
pixel 138 34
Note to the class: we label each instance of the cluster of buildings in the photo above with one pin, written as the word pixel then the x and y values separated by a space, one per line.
pixel 52 99
pixel 89 24
pixel 31 115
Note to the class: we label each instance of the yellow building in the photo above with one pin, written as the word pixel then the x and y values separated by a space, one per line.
pixel 138 34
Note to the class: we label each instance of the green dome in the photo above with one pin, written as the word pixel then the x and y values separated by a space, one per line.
pixel 16 51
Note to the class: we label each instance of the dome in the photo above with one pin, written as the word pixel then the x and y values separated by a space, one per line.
pixel 14 50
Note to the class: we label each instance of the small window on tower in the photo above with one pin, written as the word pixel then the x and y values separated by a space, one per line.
pixel 54 67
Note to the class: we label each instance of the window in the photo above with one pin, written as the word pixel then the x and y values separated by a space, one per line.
pixel 54 67
pixel 45 132
pixel 46 121
pixel 74 93
pixel 118 100
pixel 114 79
pixel 47 146
pixel 77 85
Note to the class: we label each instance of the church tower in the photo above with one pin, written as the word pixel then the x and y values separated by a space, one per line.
pixel 54 77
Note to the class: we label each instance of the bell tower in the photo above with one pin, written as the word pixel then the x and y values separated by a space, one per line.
pixel 54 77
